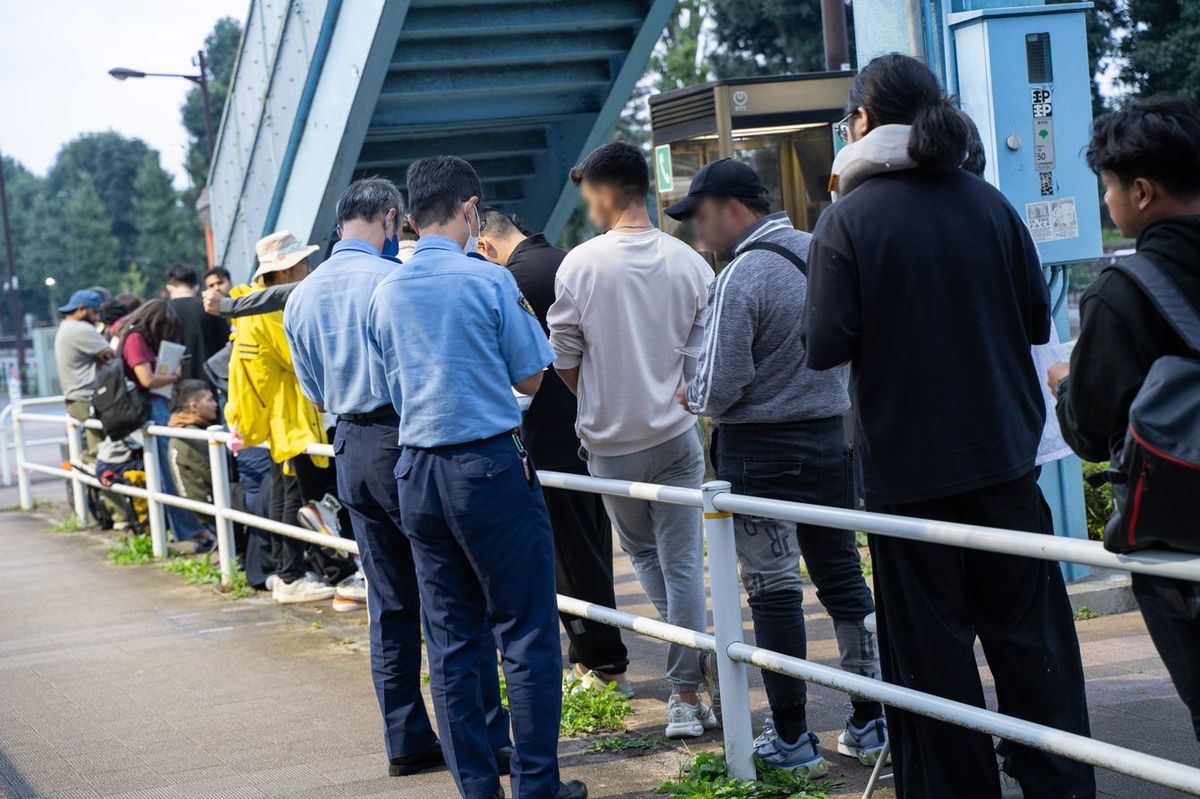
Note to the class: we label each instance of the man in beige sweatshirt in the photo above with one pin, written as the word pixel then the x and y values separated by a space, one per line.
pixel 625 302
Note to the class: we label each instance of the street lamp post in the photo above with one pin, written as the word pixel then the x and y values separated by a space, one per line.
pixel 53 307
pixel 14 286
pixel 201 80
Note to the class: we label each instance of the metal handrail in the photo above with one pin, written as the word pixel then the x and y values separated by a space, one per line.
pixel 732 653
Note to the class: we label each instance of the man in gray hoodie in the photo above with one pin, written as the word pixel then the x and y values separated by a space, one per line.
pixel 780 436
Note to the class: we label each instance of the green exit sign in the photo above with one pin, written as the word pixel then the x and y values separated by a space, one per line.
pixel 662 168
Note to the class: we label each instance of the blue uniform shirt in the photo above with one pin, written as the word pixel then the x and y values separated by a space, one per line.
pixel 326 324
pixel 449 337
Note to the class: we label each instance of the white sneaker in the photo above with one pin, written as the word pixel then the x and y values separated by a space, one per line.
pixel 351 594
pixel 308 588
pixel 592 680
pixel 688 721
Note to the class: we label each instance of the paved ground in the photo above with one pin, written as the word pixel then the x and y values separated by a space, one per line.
pixel 126 682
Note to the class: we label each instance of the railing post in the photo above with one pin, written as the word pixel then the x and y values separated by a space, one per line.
pixel 154 508
pixel 75 453
pixel 221 493
pixel 24 494
pixel 14 391
pixel 727 629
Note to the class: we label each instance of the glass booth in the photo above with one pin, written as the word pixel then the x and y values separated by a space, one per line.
pixel 781 126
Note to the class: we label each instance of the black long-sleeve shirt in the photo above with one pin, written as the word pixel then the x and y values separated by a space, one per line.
pixel 1121 335
pixel 929 284
pixel 548 427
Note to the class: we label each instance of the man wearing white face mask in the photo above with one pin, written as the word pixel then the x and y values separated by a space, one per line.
pixel 449 340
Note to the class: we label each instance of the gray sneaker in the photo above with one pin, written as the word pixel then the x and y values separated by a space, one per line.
pixel 688 721
pixel 801 757
pixel 865 743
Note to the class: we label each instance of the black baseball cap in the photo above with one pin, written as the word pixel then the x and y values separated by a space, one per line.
pixel 723 178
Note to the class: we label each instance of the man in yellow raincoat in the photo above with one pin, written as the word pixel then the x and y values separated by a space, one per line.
pixel 267 407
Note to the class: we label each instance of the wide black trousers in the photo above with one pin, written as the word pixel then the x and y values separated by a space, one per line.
pixel 583 568
pixel 932 602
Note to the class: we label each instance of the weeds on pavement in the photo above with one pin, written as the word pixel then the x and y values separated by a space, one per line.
pixel 197 571
pixel 585 712
pixel 133 550
pixel 706 777
pixel 68 525
pixel 1086 614
pixel 588 712
pixel 626 743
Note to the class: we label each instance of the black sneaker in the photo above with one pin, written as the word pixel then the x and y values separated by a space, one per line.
pixel 421 761
pixel 572 790
pixel 503 757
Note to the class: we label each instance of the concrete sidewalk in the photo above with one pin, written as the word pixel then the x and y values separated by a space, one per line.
pixel 126 682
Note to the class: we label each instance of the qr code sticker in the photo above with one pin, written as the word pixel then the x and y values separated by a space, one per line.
pixel 1047 181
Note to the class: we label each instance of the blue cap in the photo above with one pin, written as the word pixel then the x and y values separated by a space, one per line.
pixel 84 298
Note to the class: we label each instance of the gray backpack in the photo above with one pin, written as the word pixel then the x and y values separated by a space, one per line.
pixel 1155 473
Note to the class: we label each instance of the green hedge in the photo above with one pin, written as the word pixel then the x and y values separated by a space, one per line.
pixel 1097 501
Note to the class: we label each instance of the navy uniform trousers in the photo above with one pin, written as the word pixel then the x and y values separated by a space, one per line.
pixel 484 554
pixel 367 453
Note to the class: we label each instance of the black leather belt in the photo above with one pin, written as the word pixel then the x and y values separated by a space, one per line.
pixel 383 412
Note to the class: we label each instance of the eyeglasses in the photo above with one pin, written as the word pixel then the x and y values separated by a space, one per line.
pixel 842 127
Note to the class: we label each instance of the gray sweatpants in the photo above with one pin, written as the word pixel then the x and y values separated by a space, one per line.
pixel 664 541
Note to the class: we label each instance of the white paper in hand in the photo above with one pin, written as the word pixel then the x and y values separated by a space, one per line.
pixel 170 356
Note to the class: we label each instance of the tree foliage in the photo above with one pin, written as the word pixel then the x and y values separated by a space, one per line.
pixel 167 230
pixel 111 163
pixel 221 51
pixel 1160 51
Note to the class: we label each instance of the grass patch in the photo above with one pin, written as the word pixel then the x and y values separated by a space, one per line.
pixel 1086 614
pixel 197 571
pixel 865 566
pixel 68 525
pixel 317 624
pixel 584 712
pixel 593 712
pixel 626 743
pixel 202 571
pixel 132 551
pixel 239 587
pixel 706 777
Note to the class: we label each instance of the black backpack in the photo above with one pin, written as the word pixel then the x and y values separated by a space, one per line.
pixel 1155 473
pixel 121 407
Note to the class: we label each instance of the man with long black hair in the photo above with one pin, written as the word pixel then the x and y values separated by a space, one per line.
pixel 926 281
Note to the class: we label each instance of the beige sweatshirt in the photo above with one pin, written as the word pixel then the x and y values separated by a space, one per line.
pixel 623 303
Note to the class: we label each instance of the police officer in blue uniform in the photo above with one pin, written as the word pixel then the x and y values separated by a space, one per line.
pixel 325 320
pixel 450 336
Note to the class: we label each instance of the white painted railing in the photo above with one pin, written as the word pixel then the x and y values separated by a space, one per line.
pixel 732 653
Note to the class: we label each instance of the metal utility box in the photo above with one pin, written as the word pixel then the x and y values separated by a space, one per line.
pixel 1022 75
pixel 781 126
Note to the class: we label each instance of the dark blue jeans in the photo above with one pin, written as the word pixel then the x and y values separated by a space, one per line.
pixel 367 453
pixel 484 553
pixel 799 462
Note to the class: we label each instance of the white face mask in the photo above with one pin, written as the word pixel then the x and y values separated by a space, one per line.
pixel 472 244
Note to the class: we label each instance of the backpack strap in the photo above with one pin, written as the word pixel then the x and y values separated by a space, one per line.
pixel 1164 293
pixel 779 249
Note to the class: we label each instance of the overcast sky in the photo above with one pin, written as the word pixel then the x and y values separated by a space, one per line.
pixel 54 62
